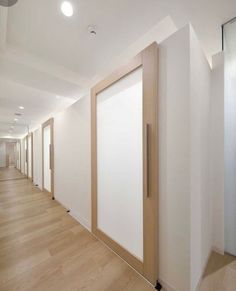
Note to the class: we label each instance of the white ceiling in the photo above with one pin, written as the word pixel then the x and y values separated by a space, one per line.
pixel 37 104
pixel 43 54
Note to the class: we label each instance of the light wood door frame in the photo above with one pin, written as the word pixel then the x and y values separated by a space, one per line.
pixel 148 60
pixel 49 122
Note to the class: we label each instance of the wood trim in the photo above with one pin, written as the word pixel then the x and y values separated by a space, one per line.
pixel 119 74
pixel 49 122
pixel 148 59
pixel 150 114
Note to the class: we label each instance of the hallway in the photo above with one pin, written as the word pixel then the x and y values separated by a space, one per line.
pixel 43 248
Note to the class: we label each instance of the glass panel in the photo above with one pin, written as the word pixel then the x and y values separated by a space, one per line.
pixel 46 150
pixel 120 162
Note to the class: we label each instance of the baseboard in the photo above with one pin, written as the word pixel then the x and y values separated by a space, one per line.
pixel 218 251
pixel 166 286
pixel 81 220
pixel 203 270
pixel 77 217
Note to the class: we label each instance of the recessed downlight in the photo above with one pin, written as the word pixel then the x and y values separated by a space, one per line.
pixel 21 107
pixel 16 119
pixel 67 8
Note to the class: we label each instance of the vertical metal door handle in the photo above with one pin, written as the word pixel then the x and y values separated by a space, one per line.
pixel 147 132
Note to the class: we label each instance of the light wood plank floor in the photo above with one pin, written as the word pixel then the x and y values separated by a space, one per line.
pixel 220 274
pixel 43 248
pixel 10 173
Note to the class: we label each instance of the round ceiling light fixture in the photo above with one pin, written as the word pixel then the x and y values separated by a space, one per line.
pixel 67 9
pixel 8 3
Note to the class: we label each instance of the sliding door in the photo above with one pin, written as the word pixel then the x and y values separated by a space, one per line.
pixel 124 162
pixel 48 157
pixel 30 156
pixel 26 156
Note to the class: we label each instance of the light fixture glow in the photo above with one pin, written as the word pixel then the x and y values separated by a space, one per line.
pixel 21 107
pixel 15 119
pixel 67 8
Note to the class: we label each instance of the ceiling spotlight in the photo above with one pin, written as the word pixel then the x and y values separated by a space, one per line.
pixel 67 8
pixel 7 3
pixel 15 119
pixel 21 107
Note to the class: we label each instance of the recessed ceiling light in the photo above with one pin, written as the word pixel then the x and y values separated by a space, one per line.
pixel 67 8
pixel 15 119
pixel 21 107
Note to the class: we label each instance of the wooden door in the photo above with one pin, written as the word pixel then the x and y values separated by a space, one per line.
pixel 125 162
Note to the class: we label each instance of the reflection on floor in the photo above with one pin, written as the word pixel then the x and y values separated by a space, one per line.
pixel 10 173
pixel 43 248
pixel 220 274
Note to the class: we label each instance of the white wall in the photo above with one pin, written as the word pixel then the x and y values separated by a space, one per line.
pixel 37 157
pixel 201 222
pixel 174 159
pixel 2 154
pixel 185 209
pixel 217 151
pixel 72 160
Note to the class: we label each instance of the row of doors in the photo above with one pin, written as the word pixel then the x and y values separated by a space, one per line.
pixel 27 158
pixel 124 162
pixel 47 157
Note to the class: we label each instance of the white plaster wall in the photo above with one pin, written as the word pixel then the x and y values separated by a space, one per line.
pixel 183 155
pixel 217 151
pixel 72 160
pixel 174 158
pixel 2 154
pixel 201 222
pixel 37 157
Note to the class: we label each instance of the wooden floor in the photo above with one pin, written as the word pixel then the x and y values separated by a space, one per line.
pixel 220 274
pixel 44 248
pixel 9 174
